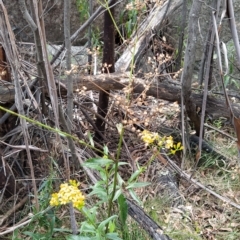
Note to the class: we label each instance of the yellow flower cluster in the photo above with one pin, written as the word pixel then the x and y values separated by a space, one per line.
pixel 166 142
pixel 176 147
pixel 149 137
pixel 68 193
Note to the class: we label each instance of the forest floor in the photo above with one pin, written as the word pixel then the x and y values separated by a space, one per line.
pixel 186 211
pixel 198 214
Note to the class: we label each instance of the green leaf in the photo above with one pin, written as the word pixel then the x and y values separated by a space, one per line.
pixel 138 185
pixel 98 162
pixel 90 213
pixel 134 196
pixel 87 228
pixel 135 175
pixel 120 180
pixel 105 222
pixel 123 207
pixel 94 166
pixel 105 150
pixel 111 226
pixel 117 194
pixel 103 176
pixel 64 230
pixel 113 236
pixel 100 192
pixel 34 236
pixel 122 163
pixel 76 237
pixel 90 139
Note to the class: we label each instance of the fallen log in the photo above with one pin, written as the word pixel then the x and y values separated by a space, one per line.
pixel 165 90
pixel 144 34
pixel 170 91
pixel 147 223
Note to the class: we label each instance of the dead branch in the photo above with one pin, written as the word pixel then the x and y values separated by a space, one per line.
pixel 147 223
pixel 165 90
pixel 13 210
pixel 141 38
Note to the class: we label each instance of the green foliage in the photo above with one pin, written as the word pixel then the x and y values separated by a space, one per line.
pixel 104 187
pixel 83 9
pixel 108 191
pixel 96 38
pixel 94 228
pixel 97 224
pixel 45 191
pixel 43 225
pixel 128 19
pixel 123 209
pixel 229 80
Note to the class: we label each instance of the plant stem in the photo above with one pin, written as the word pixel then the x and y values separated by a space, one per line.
pixel 55 130
pixel 110 203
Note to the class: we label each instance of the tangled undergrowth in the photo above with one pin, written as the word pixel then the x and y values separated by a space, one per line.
pixel 199 214
pixel 140 150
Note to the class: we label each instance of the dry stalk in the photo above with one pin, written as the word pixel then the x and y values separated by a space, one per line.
pixel 8 42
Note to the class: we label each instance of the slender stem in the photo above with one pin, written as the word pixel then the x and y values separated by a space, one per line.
pixel 55 130
pixel 110 203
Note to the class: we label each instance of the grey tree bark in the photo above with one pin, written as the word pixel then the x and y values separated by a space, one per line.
pixel 189 59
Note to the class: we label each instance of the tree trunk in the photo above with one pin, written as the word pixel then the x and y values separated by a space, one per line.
pixel 108 67
pixel 189 60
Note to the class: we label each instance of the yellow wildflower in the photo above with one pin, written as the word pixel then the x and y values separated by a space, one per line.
pixel 176 147
pixel 54 200
pixel 160 143
pixel 74 183
pixel 149 137
pixel 169 142
pixel 68 193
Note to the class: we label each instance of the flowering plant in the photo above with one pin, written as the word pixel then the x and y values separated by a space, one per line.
pixel 68 193
pixel 153 138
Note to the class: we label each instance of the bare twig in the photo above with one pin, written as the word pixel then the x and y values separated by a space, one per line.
pixel 9 44
pixel 14 209
pixel 99 11
pixel 188 178
pixel 67 5
pixel 50 78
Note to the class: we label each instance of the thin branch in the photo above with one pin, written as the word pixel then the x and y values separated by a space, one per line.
pixel 195 182
pixel 8 42
pixel 99 11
